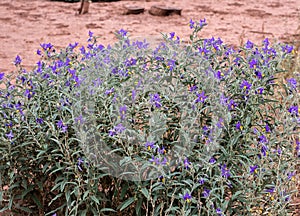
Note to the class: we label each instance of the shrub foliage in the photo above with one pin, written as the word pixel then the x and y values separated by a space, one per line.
pixel 196 128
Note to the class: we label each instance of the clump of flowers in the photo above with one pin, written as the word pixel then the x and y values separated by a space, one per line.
pixel 184 129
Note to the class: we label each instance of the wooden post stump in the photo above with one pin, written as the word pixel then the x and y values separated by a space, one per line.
pixel 157 10
pixel 133 10
pixel 84 7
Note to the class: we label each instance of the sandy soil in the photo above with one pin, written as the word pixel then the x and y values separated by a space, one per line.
pixel 24 24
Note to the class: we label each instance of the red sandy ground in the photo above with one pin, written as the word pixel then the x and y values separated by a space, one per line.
pixel 24 24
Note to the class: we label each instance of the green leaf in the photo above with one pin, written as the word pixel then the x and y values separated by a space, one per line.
pixel 85 195
pixel 138 207
pixel 124 190
pixel 126 203
pixel 107 210
pixel 25 209
pixel 236 194
pixel 125 161
pixel 55 198
pixel 37 201
pixel 145 193
pixel 95 199
pixel 28 190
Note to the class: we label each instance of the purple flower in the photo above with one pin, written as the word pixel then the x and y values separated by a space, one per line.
pixel 191 24
pixel 267 128
pixel 164 162
pixel 162 150
pixel 229 51
pixel 266 42
pixel 186 163
pixel 193 88
pixel 18 108
pixel 219 212
pixel 79 162
pixel 201 181
pixel 271 190
pixel 82 50
pixel 238 126
pixel 205 192
pixel 9 125
pixel 38 52
pixel 201 97
pixel 259 90
pixel 171 64
pixel 212 160
pixel 119 128
pixel 122 111
pixel 39 121
pixel 122 32
pixel 112 132
pixel 172 35
pixel 10 135
pixel 255 131
pixel 225 171
pixel 264 150
pixel 292 84
pixel 231 105
pixel 220 123
pixel 245 85
pixel 249 45
pixel 202 23
pixel 297 145
pixel 205 130
pixel 155 160
pixel 287 48
pixel 237 61
pixel 253 169
pixel 253 63
pixel 18 60
pixel 219 75
pixel 263 139
pixel 149 145
pixel 187 197
pixel 28 93
pixel 1 76
pixel 141 44
pixel 110 91
pixel 258 74
pixel 203 51
pixel 61 125
pixel 133 94
pixel 216 44
pixel 116 130
pixel 46 76
pixel 279 150
pixel 287 198
pixel 72 46
pixel 293 110
pixel 46 46
pixel 90 36
pixel 291 175
pixel 79 119
pixel 155 100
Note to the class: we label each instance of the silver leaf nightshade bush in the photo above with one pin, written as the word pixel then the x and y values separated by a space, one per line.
pixel 196 128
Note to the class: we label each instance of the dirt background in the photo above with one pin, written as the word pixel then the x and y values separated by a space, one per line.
pixel 25 24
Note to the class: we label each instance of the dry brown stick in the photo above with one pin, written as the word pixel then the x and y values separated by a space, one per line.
pixel 84 6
